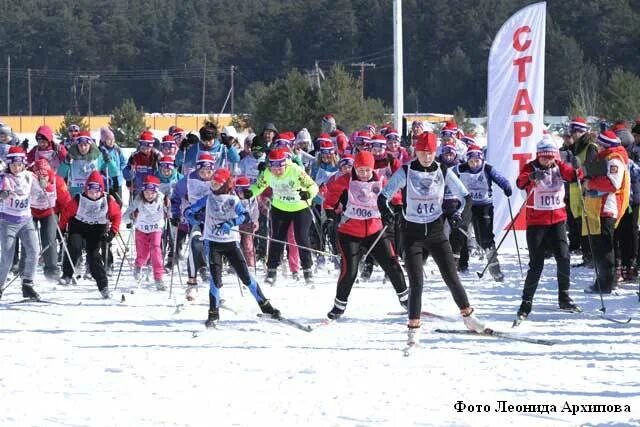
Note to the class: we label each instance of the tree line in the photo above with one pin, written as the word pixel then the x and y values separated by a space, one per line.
pixel 164 54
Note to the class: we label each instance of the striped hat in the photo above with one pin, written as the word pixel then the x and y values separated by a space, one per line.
pixel 608 139
pixel 146 139
pixel 151 183
pixel 546 148
pixel 205 160
pixel 16 155
pixel 578 124
pixel 346 160
pixel 475 152
pixel 378 141
pixel 469 140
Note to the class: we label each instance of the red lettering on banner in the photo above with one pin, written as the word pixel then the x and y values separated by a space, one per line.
pixel 522 103
pixel 521 63
pixel 516 39
pixel 522 159
pixel 521 130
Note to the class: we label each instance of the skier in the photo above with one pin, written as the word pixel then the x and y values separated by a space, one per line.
pixel 49 196
pixel 251 225
pixel 141 163
pixel 477 176
pixel 361 229
pixel 606 199
pixel 543 179
pixel 292 191
pixel 422 182
pixel 148 212
pixel 168 176
pixel 112 153
pixel 223 213
pixel 221 152
pixel 16 185
pixel 193 187
pixel 92 217
pixel 47 148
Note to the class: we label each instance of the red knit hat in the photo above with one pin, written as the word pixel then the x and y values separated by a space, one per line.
pixel 364 159
pixel 326 147
pixel 578 124
pixel 378 141
pixel 16 155
pixel 324 137
pixel 475 152
pixel 205 160
pixel 347 159
pixel 608 139
pixel 277 157
pixel 392 134
pixel 221 175
pixel 242 182
pixel 426 141
pixel 94 182
pixel 151 182
pixel 146 139
pixel 83 137
pixel 167 162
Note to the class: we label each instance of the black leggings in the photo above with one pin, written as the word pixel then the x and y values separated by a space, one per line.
pixel 541 238
pixel 351 249
pixel 417 247
pixel 302 224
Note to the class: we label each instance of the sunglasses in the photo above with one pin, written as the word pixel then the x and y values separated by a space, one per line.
pixel 205 165
pixel 92 186
pixel 167 165
pixel 150 187
pixel 17 160
pixel 277 163
pixel 167 145
pixel 84 140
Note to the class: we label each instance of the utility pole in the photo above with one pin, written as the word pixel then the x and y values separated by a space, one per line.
pixel 362 65
pixel 29 87
pixel 233 92
pixel 90 78
pixel 318 76
pixel 398 78
pixel 204 81
pixel 8 85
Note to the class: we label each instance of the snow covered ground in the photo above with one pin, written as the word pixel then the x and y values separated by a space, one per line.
pixel 83 361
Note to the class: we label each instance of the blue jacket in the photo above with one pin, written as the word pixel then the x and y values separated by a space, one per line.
pixel 223 156
pixel 117 159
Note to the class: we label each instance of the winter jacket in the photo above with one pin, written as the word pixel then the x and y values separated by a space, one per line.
pixel 76 167
pixel 610 192
pixel 286 188
pixel 54 154
pixel 544 217
pixel 491 176
pixel 220 153
pixel 139 166
pixel 119 161
pixel 68 219
pixel 59 193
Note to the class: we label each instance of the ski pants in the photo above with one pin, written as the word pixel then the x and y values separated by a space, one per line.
pixel 10 232
pixel 47 233
pixel 92 238
pixel 280 221
pixel 293 254
pixel 626 237
pixel 482 220
pixel 541 238
pixel 231 251
pixel 246 243
pixel 603 254
pixel 420 241
pixel 351 250
pixel 149 245
pixel 196 259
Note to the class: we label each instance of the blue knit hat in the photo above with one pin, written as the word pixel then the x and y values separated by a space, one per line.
pixel 608 139
pixel 546 147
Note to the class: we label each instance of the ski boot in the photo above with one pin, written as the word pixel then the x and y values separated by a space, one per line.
pixel 295 276
pixel 494 265
pixel 192 291
pixel 204 274
pixel 413 335
pixel 137 274
pixel 308 276
pixel 523 313
pixel 272 273
pixel 595 289
pixel 52 275
pixel 105 293
pixel 630 273
pixel 267 308
pixel 618 277
pixel 403 298
pixel 212 318
pixel 338 309
pixel 67 281
pixel 29 292
pixel 472 322
pixel 566 303
pixel 160 286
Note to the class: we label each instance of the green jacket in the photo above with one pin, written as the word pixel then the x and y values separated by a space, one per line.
pixel 286 187
pixel 76 166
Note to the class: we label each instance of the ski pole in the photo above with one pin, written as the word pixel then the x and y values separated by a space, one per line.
pixel 122 261
pixel 173 258
pixel 489 261
pixel 373 245
pixel 287 243
pixel 515 237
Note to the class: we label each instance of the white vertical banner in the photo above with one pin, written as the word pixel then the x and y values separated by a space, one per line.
pixel 515 104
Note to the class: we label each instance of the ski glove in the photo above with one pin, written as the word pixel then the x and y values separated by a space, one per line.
pixel 105 154
pixel 109 235
pixel 262 166
pixel 508 192
pixel 537 175
pixel 174 221
pixel 247 194
pixel 226 227
pixel 455 220
pixel 304 195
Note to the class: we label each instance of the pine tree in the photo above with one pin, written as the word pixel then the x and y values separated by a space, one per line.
pixel 127 122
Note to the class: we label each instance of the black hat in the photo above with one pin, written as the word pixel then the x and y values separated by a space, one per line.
pixel 269 126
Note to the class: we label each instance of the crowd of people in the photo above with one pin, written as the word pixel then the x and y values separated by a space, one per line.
pixel 369 197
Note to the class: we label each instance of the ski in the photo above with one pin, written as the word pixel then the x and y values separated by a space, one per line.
pixel 488 332
pixel 287 321
pixel 423 313
pixel 579 310
pixel 409 349
pixel 518 321
pixel 38 301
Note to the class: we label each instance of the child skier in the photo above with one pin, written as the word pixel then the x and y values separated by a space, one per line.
pixel 16 221
pixel 223 213
pixel 148 211
pixel 250 226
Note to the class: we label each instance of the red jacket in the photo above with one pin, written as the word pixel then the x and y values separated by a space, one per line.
pixel 113 213
pixel 63 198
pixel 61 153
pixel 335 199
pixel 544 217
pixel 394 164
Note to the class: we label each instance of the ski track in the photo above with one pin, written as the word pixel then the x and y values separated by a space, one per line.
pixel 106 363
